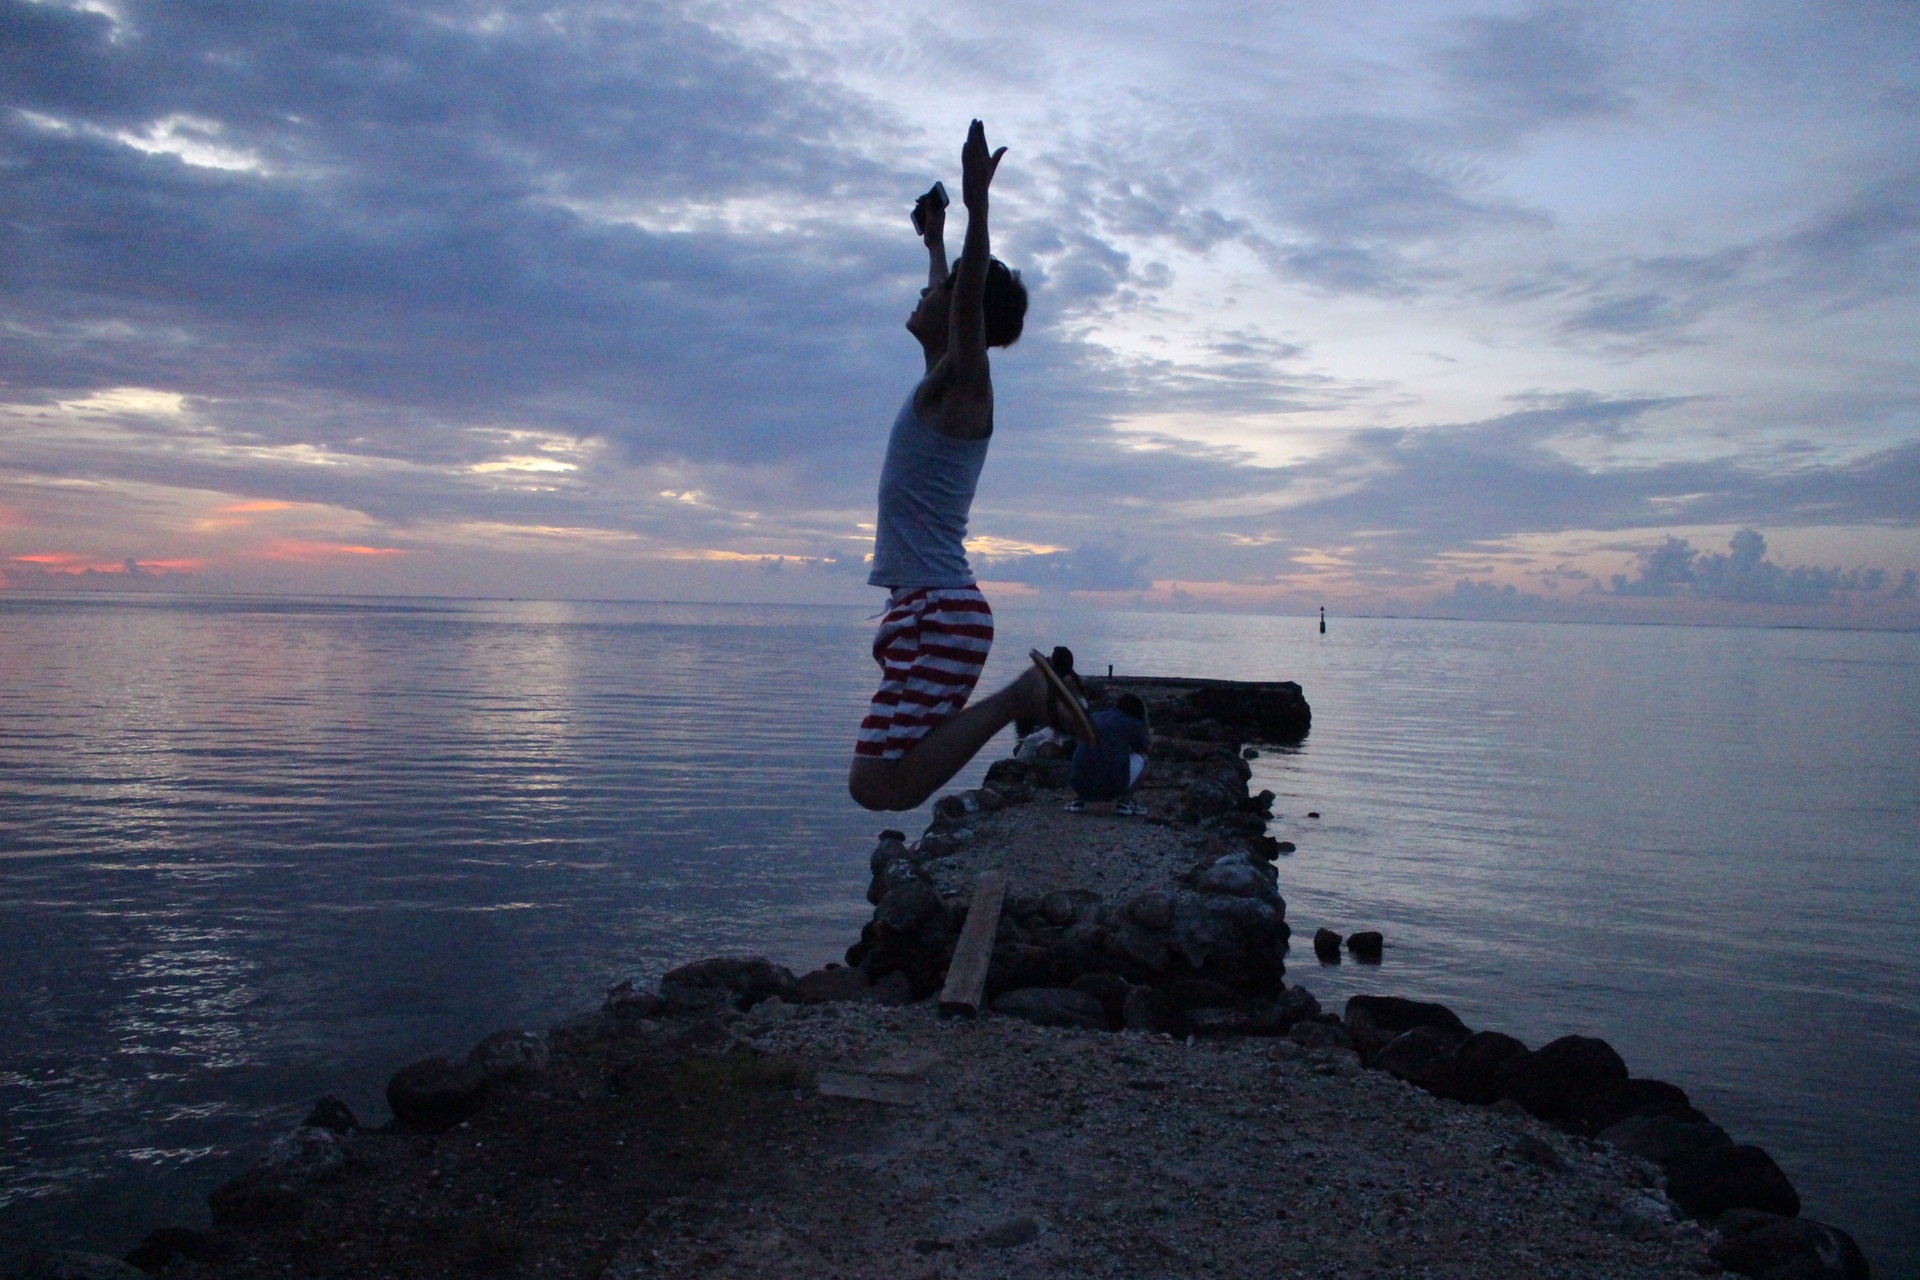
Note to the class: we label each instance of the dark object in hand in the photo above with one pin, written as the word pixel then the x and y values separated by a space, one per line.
pixel 936 195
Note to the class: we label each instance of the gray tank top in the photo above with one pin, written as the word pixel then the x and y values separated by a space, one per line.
pixel 926 489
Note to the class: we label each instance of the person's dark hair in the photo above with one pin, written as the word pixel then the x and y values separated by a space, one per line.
pixel 1005 303
pixel 1130 704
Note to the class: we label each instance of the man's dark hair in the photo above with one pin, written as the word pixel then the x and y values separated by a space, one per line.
pixel 1005 303
pixel 1130 704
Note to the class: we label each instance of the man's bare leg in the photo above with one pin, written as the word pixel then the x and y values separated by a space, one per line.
pixel 907 782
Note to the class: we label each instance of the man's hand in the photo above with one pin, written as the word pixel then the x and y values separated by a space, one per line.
pixel 933 218
pixel 977 166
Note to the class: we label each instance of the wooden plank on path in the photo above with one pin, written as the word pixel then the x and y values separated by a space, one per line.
pixel 966 989
pixel 841 1084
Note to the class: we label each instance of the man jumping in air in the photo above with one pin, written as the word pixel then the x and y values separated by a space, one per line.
pixel 933 641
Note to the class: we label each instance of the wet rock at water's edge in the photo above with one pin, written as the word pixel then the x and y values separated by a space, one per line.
pixel 1550 1081
pixel 435 1094
pixel 1773 1247
pixel 1712 1181
pixel 1373 1021
pixel 741 981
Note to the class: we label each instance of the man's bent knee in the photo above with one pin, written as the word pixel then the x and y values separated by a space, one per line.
pixel 882 785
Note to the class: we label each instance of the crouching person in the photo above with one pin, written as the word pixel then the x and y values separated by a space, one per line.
pixel 1105 770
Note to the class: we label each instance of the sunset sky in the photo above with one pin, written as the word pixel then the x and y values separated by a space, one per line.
pixel 1487 309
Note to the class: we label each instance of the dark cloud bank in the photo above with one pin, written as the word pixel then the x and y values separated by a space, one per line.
pixel 1744 575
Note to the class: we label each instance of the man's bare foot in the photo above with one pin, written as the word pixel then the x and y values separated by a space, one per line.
pixel 1062 710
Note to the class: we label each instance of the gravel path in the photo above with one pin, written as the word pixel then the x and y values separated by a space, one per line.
pixel 1042 847
pixel 1005 1148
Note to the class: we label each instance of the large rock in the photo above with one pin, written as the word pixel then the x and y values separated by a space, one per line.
pixel 943 843
pixel 1081 949
pixel 1274 712
pixel 1366 945
pixel 892 989
pixel 1053 1007
pixel 1312 1033
pixel 1149 1009
pixel 628 1002
pixel 1791 1249
pixel 331 1113
pixel 72 1264
pixel 160 1246
pixel 1597 1108
pixel 1471 1078
pixel 1111 990
pixel 1189 994
pixel 890 848
pixel 834 983
pixel 1008 772
pixel 1372 1021
pixel 514 1057
pixel 1247 825
pixel 1238 879
pixel 1057 908
pixel 1228 933
pixel 1640 1215
pixel 1299 1004
pixel 1014 965
pixel 1147 951
pixel 1423 1056
pixel 1218 788
pixel 274 1186
pixel 909 904
pixel 1151 910
pixel 1326 945
pixel 955 808
pixel 1665 1140
pixel 743 981
pixel 435 1094
pixel 1710 1182
pixel 1550 1081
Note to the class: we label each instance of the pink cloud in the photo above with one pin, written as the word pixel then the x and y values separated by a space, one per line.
pixel 305 552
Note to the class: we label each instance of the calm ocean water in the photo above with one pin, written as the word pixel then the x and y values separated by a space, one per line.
pixel 252 851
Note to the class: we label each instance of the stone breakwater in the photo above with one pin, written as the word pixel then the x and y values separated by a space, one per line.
pixel 1214 930
pixel 740 1119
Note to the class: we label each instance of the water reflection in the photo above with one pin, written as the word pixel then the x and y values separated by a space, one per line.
pixel 254 851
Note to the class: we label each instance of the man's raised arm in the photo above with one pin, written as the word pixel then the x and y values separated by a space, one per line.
pixel 967 329
pixel 934 219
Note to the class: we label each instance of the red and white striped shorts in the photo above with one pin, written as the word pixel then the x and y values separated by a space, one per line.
pixel 931 646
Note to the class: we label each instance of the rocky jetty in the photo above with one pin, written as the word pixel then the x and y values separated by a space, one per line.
pixel 1206 940
pixel 1146 1094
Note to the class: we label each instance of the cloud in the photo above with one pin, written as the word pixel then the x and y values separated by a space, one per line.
pixel 1085 568
pixel 1744 575
pixel 1488 600
pixel 64 569
pixel 1663 571
pixel 457 220
pixel 1551 63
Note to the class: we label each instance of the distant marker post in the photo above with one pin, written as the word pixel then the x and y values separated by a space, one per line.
pixel 1323 619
